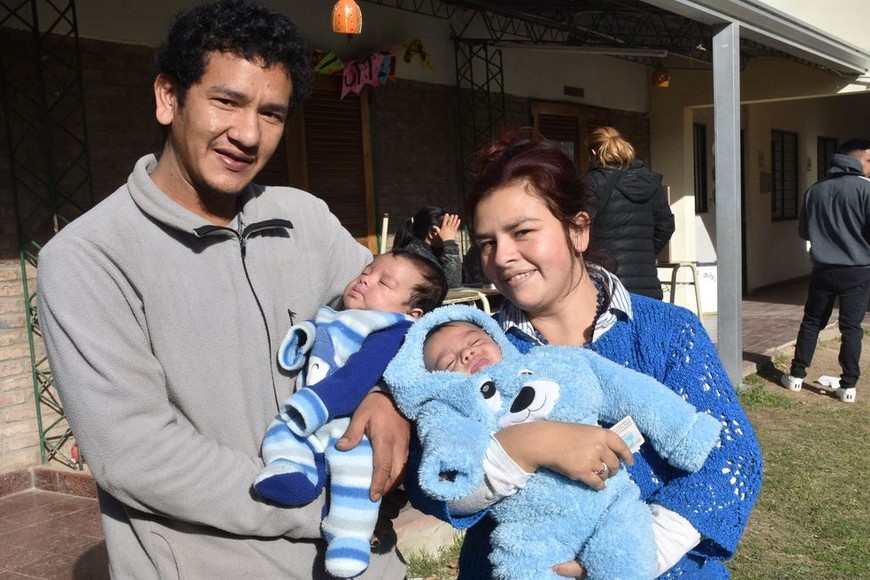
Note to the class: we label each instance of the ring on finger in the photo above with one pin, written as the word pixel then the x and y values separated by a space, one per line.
pixel 603 471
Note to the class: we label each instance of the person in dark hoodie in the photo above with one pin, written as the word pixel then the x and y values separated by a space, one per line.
pixel 632 221
pixel 835 218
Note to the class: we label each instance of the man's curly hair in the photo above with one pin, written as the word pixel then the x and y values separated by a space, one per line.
pixel 245 28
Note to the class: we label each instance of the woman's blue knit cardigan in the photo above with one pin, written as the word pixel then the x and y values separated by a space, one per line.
pixel 670 344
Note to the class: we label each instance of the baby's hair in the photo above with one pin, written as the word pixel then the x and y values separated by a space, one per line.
pixel 431 293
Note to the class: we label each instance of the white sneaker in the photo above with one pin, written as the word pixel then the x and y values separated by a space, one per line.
pixel 791 383
pixel 847 395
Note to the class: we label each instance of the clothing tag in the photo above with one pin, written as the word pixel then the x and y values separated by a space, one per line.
pixel 629 433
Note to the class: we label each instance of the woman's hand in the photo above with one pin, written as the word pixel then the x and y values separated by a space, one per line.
pixel 579 452
pixel 449 229
pixel 571 569
pixel 390 434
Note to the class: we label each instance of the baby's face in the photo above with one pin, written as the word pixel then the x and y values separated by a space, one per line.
pixel 386 284
pixel 462 347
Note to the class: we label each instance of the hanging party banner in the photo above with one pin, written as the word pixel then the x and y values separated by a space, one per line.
pixel 375 70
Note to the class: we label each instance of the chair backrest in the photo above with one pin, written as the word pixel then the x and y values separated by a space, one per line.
pixel 382 239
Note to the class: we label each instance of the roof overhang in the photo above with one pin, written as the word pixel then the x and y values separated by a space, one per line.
pixel 766 25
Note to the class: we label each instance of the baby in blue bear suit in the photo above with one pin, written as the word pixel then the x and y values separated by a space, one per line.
pixel 460 379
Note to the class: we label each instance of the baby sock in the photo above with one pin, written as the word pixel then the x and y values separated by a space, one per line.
pixel 352 516
pixel 295 472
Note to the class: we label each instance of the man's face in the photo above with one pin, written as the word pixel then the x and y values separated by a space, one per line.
pixel 231 122
pixel 864 158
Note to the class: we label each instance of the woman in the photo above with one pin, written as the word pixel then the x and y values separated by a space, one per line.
pixel 530 217
pixel 633 221
pixel 432 233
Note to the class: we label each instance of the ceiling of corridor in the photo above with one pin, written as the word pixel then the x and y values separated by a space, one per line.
pixel 630 28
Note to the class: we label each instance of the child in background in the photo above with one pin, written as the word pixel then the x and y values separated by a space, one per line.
pixel 347 352
pixel 432 233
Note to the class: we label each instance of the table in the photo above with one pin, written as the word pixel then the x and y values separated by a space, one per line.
pixel 476 296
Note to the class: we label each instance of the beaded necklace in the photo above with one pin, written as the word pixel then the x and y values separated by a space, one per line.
pixel 601 301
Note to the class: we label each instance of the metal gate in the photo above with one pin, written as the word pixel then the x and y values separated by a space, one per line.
pixel 46 134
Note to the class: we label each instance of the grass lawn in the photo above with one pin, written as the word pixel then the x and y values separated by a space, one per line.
pixel 812 519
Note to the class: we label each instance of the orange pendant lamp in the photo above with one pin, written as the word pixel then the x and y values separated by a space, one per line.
pixel 346 18
pixel 660 77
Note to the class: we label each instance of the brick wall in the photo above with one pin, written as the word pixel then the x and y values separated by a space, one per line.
pixel 120 116
pixel 416 147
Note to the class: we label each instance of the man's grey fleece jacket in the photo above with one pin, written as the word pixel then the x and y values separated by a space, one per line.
pixel 161 331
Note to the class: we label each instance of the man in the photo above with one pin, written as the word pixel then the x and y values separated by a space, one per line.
pixel 162 309
pixel 835 219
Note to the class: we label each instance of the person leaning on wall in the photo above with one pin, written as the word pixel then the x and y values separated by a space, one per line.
pixel 631 216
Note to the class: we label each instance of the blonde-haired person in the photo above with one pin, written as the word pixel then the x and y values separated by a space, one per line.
pixel 633 221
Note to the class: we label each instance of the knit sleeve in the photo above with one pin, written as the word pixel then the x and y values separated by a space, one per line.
pixel 451 262
pixel 718 498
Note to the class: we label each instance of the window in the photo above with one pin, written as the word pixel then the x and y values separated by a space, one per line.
pixel 784 174
pixel 568 125
pixel 825 146
pixel 699 146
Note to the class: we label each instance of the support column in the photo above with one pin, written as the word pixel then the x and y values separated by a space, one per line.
pixel 726 115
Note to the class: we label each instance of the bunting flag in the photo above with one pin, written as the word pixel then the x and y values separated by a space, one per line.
pixel 326 64
pixel 415 49
pixel 375 70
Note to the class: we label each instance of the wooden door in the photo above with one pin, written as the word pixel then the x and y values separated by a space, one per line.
pixel 327 151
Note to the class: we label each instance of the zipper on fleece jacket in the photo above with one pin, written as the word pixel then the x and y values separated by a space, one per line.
pixel 243 235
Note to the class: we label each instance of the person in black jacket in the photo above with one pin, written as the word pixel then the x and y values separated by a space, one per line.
pixel 632 221
pixel 835 218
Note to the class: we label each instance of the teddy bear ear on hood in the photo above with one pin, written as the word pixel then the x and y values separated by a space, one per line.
pixel 409 381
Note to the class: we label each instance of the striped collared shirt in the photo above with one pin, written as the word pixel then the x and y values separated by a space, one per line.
pixel 619 303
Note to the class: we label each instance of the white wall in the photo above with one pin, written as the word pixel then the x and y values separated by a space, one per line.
pixel 778 94
pixel 607 81
pixel 776 250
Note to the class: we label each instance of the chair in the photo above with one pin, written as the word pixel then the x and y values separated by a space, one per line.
pixel 675 282
pixel 382 239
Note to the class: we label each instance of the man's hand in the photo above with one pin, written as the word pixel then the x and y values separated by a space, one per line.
pixel 390 434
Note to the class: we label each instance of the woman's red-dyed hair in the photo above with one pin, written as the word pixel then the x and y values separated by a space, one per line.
pixel 524 156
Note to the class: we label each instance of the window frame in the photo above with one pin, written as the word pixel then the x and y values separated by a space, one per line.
pixel 783 175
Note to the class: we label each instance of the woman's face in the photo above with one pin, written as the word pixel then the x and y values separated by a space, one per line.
pixel 524 251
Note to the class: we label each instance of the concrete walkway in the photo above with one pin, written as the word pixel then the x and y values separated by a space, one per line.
pixel 771 319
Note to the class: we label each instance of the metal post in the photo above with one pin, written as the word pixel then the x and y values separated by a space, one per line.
pixel 726 115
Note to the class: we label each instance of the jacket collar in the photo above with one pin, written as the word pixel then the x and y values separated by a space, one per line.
pixel 256 210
